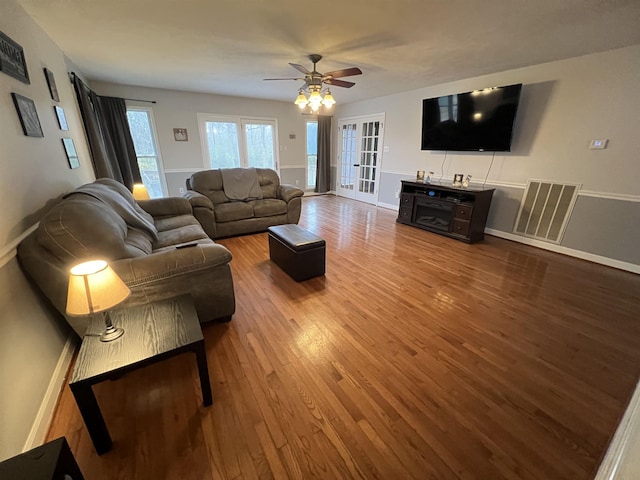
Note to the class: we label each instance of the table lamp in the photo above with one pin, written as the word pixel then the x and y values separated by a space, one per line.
pixel 93 288
pixel 140 192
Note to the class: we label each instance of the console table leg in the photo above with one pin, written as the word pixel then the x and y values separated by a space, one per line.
pixel 203 370
pixel 92 416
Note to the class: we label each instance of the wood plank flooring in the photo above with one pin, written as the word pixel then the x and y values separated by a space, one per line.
pixel 415 357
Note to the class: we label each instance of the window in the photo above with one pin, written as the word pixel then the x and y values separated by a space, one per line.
pixel 144 140
pixel 230 142
pixel 312 153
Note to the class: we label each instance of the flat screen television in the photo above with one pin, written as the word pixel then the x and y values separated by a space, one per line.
pixel 479 121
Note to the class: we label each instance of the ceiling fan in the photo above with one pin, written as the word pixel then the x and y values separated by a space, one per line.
pixel 314 81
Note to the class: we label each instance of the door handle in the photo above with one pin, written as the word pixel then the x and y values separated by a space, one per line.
pixel 356 164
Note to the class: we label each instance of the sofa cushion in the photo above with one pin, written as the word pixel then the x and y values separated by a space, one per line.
pixel 82 226
pixel 269 182
pixel 229 212
pixel 209 184
pixel 268 207
pixel 178 230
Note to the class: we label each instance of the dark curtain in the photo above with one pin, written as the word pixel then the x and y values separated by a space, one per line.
pixel 323 170
pixel 105 122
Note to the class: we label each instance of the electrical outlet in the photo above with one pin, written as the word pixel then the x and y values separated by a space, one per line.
pixel 297 183
pixel 181 190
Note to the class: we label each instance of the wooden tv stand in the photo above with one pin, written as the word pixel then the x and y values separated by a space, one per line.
pixel 455 212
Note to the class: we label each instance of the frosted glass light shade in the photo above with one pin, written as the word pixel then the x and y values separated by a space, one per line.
pixel 328 100
pixel 140 192
pixel 301 101
pixel 94 287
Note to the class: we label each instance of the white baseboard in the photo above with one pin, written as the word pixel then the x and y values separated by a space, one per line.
pixel 610 262
pixel 388 205
pixel 43 419
pixel 619 447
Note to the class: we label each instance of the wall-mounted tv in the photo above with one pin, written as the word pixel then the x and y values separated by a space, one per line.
pixel 481 120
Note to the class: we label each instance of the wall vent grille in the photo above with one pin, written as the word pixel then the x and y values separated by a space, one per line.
pixel 545 210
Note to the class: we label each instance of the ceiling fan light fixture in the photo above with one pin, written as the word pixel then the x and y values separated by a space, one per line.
pixel 301 101
pixel 328 101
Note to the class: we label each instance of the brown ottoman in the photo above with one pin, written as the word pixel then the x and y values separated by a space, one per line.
pixel 300 253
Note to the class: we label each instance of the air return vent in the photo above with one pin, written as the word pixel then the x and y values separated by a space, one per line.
pixel 545 210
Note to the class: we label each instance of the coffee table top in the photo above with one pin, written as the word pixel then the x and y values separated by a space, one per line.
pixel 151 331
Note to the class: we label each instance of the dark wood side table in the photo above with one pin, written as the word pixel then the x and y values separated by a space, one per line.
pixel 152 333
pixel 51 461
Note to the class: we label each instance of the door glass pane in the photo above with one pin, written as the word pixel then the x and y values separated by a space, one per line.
pixel 312 153
pixel 349 156
pixel 222 142
pixel 145 146
pixel 368 156
pixel 260 145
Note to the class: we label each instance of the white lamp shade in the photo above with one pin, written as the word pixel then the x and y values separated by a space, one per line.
pixel 140 192
pixel 94 287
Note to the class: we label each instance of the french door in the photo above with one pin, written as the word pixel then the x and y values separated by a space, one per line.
pixel 360 157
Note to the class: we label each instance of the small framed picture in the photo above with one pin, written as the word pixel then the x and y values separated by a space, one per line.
pixel 180 135
pixel 28 115
pixel 457 179
pixel 420 176
pixel 70 150
pixel 51 81
pixel 62 119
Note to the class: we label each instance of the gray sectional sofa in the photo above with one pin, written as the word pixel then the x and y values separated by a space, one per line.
pixel 223 212
pixel 139 240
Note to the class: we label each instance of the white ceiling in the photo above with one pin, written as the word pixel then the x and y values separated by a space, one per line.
pixel 228 46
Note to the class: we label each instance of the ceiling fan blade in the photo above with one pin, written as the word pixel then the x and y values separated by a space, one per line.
pixel 339 83
pixel 346 72
pixel 300 68
pixel 283 79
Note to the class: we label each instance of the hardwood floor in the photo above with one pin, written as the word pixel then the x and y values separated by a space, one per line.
pixel 416 356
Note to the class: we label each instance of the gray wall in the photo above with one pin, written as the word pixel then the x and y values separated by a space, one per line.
pixel 33 172
pixel 31 343
pixel 564 105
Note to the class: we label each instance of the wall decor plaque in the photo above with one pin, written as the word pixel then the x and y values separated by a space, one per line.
pixel 51 82
pixel 12 61
pixel 72 154
pixel 28 115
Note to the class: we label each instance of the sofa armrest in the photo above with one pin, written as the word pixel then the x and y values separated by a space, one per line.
pixel 196 199
pixel 203 211
pixel 171 264
pixel 289 192
pixel 166 207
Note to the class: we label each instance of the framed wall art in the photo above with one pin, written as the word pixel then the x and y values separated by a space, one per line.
pixel 62 119
pixel 180 135
pixel 70 150
pixel 28 116
pixel 51 82
pixel 12 61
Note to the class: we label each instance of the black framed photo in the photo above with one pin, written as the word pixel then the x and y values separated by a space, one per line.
pixel 12 60
pixel 70 150
pixel 457 179
pixel 28 115
pixel 62 119
pixel 51 81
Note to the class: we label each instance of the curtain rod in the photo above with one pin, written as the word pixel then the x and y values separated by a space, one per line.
pixel 73 74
